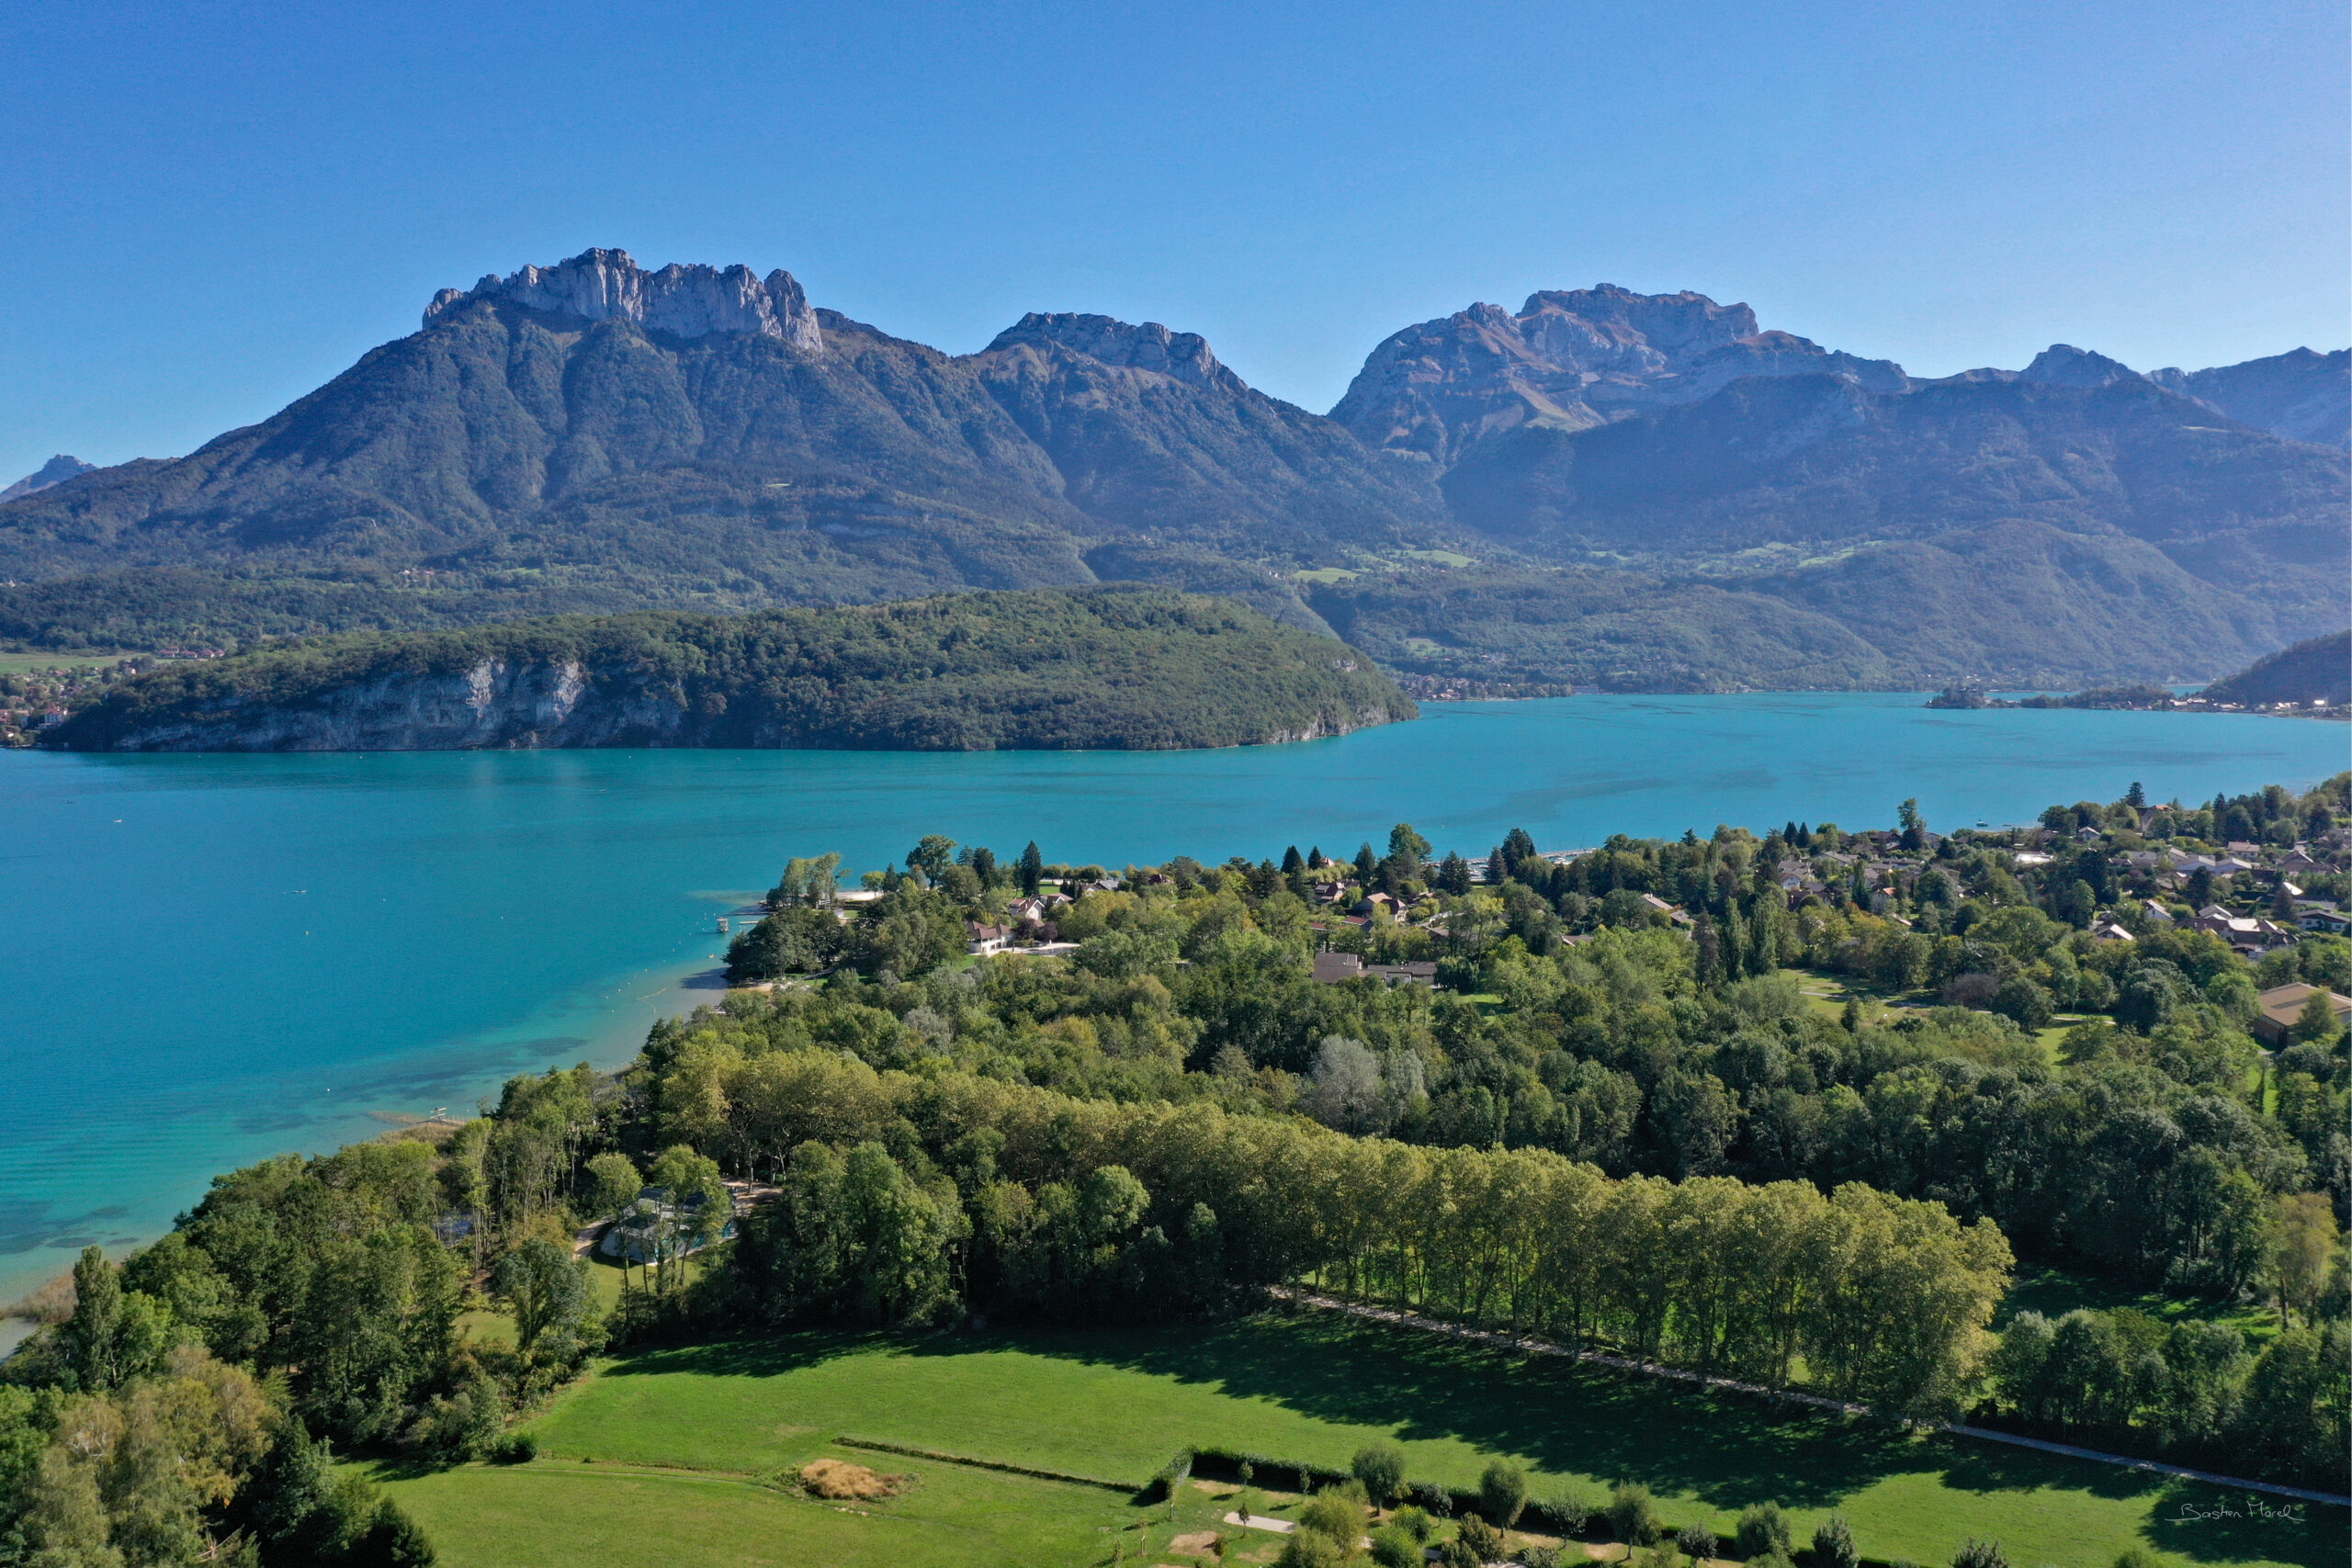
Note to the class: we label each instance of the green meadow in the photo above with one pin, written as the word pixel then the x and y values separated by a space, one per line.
pixel 675 1445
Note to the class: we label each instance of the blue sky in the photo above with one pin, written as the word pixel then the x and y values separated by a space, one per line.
pixel 210 208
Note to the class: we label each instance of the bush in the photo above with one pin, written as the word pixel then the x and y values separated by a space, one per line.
pixel 1435 1500
pixel 1542 1557
pixel 1981 1554
pixel 1459 1554
pixel 1695 1540
pixel 1568 1511
pixel 2137 1557
pixel 520 1449
pixel 1310 1549
pixel 1633 1513
pixel 1502 1492
pixel 1396 1547
pixel 1335 1514
pixel 1414 1522
pixel 1481 1538
pixel 1174 1474
pixel 1762 1528
pixel 1832 1544
pixel 393 1541
pixel 1380 1468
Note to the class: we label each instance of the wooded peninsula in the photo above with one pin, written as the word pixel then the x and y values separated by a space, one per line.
pixel 1116 668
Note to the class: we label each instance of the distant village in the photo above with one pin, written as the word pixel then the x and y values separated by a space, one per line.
pixel 2257 897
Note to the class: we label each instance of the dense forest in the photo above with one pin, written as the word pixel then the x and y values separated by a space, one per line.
pixel 1113 668
pixel 1613 1108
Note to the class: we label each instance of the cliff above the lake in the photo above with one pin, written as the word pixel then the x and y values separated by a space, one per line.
pixel 1096 668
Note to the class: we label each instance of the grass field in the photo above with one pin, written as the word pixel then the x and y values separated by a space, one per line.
pixel 547 1515
pixel 17 663
pixel 1826 994
pixel 1114 1405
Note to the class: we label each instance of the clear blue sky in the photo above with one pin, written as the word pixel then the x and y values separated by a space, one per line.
pixel 211 208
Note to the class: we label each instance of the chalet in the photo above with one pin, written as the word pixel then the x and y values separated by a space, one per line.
pixel 2110 931
pixel 2322 918
pixel 2155 911
pixel 2280 1006
pixel 986 940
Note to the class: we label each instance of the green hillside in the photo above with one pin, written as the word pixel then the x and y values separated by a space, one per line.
pixel 1097 668
pixel 2319 667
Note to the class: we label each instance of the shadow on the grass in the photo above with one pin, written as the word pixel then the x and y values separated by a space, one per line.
pixel 764 1357
pixel 1558 1416
pixel 1727 1450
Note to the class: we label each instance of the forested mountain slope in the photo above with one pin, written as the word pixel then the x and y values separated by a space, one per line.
pixel 1098 667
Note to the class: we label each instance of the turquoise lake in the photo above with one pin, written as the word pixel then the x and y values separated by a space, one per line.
pixel 211 959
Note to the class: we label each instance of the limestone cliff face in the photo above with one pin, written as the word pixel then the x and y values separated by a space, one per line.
pixel 682 301
pixel 530 704
pixel 492 704
pixel 1571 359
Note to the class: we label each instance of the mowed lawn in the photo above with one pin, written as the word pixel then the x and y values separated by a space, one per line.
pixel 1115 1405
pixel 547 1515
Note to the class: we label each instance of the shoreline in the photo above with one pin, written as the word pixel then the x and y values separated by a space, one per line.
pixel 656 991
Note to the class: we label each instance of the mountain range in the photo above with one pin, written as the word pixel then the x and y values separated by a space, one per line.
pixel 1639 491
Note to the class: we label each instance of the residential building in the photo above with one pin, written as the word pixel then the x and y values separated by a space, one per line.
pixel 2281 1005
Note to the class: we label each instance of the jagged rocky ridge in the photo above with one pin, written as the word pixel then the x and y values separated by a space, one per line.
pixel 593 437
pixel 679 302
pixel 1120 669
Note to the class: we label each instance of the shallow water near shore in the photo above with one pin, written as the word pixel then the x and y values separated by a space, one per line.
pixel 205 960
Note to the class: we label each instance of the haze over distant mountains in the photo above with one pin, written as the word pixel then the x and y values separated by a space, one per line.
pixel 1640 490
pixel 56 471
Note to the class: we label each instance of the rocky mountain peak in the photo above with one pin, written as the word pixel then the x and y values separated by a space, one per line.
pixel 1572 359
pixel 1185 355
pixel 2063 365
pixel 56 471
pixel 687 301
pixel 1676 325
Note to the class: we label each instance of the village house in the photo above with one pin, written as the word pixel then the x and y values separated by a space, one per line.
pixel 1337 968
pixel 987 940
pixel 1659 905
pixel 2280 1006
pixel 2247 933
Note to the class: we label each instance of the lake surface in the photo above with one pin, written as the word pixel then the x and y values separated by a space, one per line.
pixel 206 960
